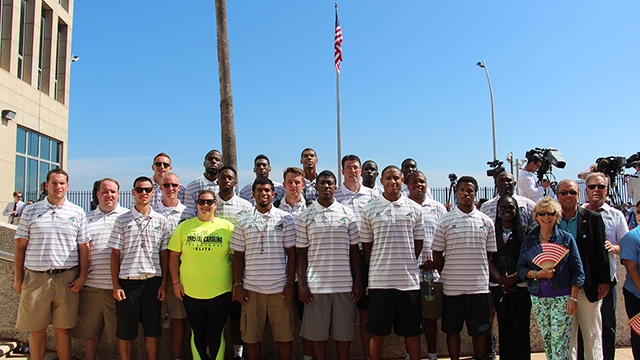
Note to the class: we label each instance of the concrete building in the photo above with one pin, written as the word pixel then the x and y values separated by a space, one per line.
pixel 35 59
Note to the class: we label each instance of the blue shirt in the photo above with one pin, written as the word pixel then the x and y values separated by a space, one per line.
pixel 630 250
pixel 570 226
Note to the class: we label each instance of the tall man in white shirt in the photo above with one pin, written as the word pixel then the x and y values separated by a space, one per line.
pixel 262 168
pixel 369 176
pixel 139 258
pixel 207 181
pixel 171 208
pixel 468 238
pixel 97 306
pixel 505 186
pixel 309 160
pixel 51 263
pixel 392 235
pixel 327 250
pixel 355 196
pixel 615 228
pixel 264 266
pixel 528 180
pixel 13 210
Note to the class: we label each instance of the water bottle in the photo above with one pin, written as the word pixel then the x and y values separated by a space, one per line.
pixel 429 292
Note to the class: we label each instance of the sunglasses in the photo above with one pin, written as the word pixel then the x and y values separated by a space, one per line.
pixel 506 207
pixel 570 192
pixel 599 186
pixel 545 213
pixel 162 164
pixel 140 190
pixel 166 186
pixel 206 201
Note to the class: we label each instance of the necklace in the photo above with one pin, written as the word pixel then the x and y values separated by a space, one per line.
pixel 263 231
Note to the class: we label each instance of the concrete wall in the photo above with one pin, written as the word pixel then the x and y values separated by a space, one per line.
pixel 394 346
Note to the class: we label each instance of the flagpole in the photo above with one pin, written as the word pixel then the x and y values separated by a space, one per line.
pixel 338 111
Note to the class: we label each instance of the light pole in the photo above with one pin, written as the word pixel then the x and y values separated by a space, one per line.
pixel 493 118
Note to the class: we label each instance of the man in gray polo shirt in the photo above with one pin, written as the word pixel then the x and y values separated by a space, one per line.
pixel 51 265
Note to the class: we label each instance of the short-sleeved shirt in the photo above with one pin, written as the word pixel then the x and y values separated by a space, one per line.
pixel 205 268
pixel 172 213
pixel 630 250
pixel 231 210
pixel 615 228
pixel 490 208
pixel 294 210
pixel 263 239
pixel 392 227
pixel 465 239
pixel 193 189
pixel 328 233
pixel 100 226
pixel 53 234
pixel 140 239
pixel 309 192
pixel 247 194
pixel 355 200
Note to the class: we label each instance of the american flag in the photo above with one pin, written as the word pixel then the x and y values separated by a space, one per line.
pixel 337 44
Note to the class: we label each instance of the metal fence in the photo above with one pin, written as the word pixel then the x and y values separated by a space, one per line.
pixel 83 198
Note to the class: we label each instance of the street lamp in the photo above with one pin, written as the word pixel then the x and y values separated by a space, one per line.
pixel 493 118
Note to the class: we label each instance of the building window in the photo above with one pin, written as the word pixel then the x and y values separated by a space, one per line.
pixel 36 154
pixel 21 37
pixel 6 11
pixel 60 71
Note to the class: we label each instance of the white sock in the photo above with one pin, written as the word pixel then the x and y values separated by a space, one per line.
pixel 237 350
pixel 432 356
pixel 307 357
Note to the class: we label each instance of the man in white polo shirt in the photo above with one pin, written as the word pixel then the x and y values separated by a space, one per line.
pixel 294 184
pixel 264 266
pixel 97 306
pixel 51 264
pixel 160 166
pixel 327 252
pixel 139 258
pixel 207 181
pixel 392 235
pixel 262 169
pixel 171 208
pixel 309 160
pixel 468 238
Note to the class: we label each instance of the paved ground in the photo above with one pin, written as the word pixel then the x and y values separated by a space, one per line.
pixel 621 354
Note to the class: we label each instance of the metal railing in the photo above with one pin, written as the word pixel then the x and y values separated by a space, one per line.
pixel 6 256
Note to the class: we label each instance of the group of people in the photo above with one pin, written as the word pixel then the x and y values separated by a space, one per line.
pixel 385 253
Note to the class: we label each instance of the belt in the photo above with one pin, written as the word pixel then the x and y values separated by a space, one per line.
pixel 141 277
pixel 53 271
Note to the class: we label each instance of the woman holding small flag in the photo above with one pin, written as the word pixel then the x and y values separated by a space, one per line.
pixel 630 256
pixel 550 263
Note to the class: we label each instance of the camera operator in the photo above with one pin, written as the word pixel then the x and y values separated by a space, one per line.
pixel 527 181
pixel 633 184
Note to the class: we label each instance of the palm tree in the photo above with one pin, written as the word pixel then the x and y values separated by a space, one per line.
pixel 228 129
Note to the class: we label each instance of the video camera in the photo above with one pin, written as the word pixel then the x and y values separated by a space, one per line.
pixel 632 160
pixel 611 165
pixel 548 157
pixel 496 168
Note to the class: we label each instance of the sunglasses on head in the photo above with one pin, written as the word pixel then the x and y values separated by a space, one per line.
pixel 507 207
pixel 570 192
pixel 140 190
pixel 162 164
pixel 206 201
pixel 166 186
pixel 545 213
pixel 599 186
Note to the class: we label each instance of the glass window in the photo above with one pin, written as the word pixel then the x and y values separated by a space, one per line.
pixel 20 173
pixel 32 176
pixel 33 143
pixel 21 141
pixel 55 151
pixel 44 169
pixel 45 146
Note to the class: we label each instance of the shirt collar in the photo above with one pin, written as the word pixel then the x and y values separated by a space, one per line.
pixel 463 214
pixel 332 207
pixel 51 206
pixel 137 215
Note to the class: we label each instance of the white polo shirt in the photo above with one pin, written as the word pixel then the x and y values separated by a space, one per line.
pixel 247 194
pixel 100 226
pixel 140 239
pixel 263 238
pixel 328 233
pixel 53 234
pixel 296 210
pixel 355 200
pixel 465 239
pixel 192 190
pixel 431 211
pixel 392 228
pixel 615 228
pixel 231 210
pixel 172 213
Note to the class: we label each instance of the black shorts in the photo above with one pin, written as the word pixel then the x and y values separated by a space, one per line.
pixel 234 310
pixel 141 305
pixel 363 303
pixel 471 308
pixel 401 310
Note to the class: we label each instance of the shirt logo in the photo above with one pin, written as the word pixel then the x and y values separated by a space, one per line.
pixel 157 228
pixel 72 219
pixel 343 220
pixel 409 215
pixel 280 226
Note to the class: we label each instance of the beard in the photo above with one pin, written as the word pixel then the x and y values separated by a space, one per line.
pixel 212 171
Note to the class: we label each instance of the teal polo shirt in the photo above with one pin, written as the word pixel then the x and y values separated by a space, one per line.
pixel 570 226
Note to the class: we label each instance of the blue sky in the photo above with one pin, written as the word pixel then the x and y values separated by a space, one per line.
pixel 564 75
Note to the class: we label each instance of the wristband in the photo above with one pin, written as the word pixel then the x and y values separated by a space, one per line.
pixel 535 275
pixel 176 283
pixel 574 299
pixel 238 283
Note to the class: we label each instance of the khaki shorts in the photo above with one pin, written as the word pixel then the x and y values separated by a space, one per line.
pixel 97 311
pixel 432 310
pixel 173 305
pixel 46 299
pixel 254 316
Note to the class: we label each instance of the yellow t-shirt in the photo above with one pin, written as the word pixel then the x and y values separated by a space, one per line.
pixel 206 268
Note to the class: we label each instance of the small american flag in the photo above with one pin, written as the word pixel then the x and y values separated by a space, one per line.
pixel 634 322
pixel 337 44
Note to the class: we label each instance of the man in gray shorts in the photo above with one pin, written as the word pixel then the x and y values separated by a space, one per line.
pixel 327 250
